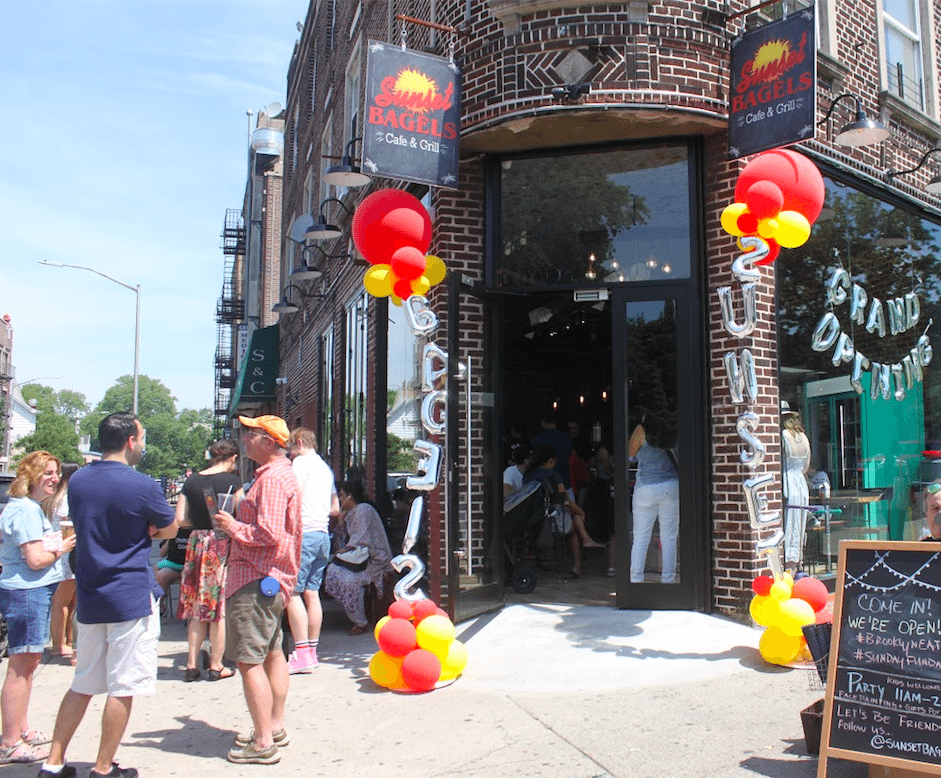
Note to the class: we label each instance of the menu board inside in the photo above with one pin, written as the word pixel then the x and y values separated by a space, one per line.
pixel 884 690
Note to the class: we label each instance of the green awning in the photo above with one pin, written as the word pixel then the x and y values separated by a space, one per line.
pixel 257 373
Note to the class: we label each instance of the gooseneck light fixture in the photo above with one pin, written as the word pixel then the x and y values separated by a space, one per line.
pixel 285 306
pixel 322 230
pixel 863 132
pixel 346 173
pixel 934 185
pixel 307 271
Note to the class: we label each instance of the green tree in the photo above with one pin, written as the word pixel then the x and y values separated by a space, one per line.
pixel 399 455
pixel 56 418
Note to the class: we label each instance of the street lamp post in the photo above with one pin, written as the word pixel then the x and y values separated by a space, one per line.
pixel 136 290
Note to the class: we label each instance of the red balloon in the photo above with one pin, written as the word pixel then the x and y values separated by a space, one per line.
pixel 760 586
pixel 796 176
pixel 421 670
pixel 823 617
pixel 408 262
pixel 424 608
pixel 403 288
pixel 441 612
pixel 747 223
pixel 400 609
pixel 764 199
pixel 397 637
pixel 773 250
pixel 386 221
pixel 812 591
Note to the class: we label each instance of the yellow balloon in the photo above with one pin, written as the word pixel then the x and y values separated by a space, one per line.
pixel 730 218
pixel 434 269
pixel 379 625
pixel 396 300
pixel 378 280
pixel 455 661
pixel 781 590
pixel 795 614
pixel 768 228
pixel 777 647
pixel 435 634
pixel 793 229
pixel 764 610
pixel 386 670
pixel 421 285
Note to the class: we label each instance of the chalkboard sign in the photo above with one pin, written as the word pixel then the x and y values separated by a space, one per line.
pixel 883 703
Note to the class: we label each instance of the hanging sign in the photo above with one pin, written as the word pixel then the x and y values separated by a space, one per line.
pixel 412 116
pixel 771 85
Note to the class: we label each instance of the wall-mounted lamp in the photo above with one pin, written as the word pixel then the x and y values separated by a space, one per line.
pixel 863 131
pixel 346 173
pixel 306 272
pixel 934 185
pixel 321 230
pixel 284 306
pixel 570 91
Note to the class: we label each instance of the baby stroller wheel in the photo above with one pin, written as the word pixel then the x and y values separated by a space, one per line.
pixel 523 580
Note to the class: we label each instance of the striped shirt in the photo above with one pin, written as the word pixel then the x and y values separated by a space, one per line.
pixel 267 540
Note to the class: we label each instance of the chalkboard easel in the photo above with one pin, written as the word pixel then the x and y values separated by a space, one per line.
pixel 883 700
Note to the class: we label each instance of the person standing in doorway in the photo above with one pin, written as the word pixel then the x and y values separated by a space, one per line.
pixel 116 512
pixel 264 557
pixel 319 504
pixel 796 492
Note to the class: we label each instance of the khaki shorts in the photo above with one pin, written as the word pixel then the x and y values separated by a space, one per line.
pixel 252 624
pixel 119 658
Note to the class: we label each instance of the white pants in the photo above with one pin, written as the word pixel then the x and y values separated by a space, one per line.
pixel 653 501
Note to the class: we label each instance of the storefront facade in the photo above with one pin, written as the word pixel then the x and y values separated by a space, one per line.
pixel 585 260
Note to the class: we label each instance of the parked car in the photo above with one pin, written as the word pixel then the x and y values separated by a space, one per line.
pixel 5 480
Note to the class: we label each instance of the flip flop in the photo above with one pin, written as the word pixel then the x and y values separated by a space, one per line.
pixel 36 738
pixel 22 753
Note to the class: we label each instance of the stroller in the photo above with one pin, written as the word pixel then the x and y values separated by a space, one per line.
pixel 529 514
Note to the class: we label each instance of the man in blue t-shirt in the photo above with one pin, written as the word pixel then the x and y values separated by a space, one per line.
pixel 116 512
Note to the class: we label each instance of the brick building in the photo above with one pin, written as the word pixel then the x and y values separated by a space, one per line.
pixel 586 266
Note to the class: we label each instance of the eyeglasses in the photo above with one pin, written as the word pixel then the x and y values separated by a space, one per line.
pixel 933 488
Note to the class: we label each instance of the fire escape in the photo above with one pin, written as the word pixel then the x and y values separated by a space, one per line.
pixel 230 310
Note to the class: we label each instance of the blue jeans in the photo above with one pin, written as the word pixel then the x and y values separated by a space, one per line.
pixel 27 615
pixel 315 551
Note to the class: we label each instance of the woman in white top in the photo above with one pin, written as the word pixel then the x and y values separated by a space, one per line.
pixel 796 455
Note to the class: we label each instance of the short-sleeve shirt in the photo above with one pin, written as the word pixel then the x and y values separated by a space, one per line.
pixel 112 506
pixel 23 521
pixel 513 477
pixel 193 490
pixel 654 466
pixel 316 482
pixel 561 443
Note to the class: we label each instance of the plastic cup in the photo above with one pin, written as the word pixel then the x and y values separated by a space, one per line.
pixel 67 528
pixel 226 502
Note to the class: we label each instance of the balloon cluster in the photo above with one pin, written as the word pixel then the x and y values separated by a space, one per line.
pixel 785 607
pixel 392 230
pixel 779 195
pixel 417 649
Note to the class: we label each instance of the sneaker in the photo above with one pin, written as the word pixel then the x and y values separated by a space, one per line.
pixel 115 772
pixel 280 738
pixel 312 656
pixel 250 755
pixel 67 771
pixel 299 662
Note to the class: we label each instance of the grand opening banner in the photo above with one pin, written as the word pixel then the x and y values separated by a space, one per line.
pixel 772 85
pixel 413 116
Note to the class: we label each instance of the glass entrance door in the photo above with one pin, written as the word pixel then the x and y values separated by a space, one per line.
pixel 473 502
pixel 660 511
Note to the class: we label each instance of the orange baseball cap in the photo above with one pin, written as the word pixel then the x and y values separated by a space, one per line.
pixel 274 426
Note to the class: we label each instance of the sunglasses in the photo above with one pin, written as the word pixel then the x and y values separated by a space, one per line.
pixel 933 488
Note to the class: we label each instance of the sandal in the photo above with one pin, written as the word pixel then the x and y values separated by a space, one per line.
pixel 191 674
pixel 21 753
pixel 36 738
pixel 215 675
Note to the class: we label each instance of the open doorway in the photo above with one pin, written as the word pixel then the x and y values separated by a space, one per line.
pixel 557 356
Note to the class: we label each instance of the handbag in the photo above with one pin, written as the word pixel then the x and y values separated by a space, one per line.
pixel 356 559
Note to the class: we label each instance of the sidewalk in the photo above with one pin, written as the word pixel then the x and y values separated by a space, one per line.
pixel 550 691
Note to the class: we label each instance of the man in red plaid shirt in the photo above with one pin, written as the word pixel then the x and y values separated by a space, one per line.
pixel 262 572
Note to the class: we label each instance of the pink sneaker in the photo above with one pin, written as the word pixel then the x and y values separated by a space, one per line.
pixel 300 662
pixel 312 658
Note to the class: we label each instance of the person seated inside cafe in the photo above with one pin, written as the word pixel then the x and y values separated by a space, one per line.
pixel 933 510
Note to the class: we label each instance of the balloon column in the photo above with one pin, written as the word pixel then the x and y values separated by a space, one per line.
pixel 785 607
pixel 417 649
pixel 778 196
pixel 392 230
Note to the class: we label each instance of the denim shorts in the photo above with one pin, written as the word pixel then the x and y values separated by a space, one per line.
pixel 27 615
pixel 315 551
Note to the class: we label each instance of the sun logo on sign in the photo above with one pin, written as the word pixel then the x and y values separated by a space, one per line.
pixel 769 59
pixel 415 82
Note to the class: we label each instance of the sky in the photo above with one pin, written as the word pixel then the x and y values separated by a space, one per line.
pixel 125 138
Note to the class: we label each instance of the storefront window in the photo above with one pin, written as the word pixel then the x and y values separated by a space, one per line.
pixel 355 395
pixel 326 394
pixel 595 218
pixel 856 307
